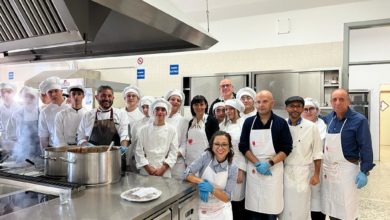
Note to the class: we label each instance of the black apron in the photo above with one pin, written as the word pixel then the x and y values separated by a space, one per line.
pixel 104 131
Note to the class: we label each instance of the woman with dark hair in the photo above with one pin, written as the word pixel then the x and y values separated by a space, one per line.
pixel 216 178
pixel 200 129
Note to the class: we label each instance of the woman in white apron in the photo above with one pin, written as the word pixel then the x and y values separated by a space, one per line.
pixel 176 98
pixel 216 178
pixel 233 126
pixel 311 112
pixel 200 129
pixel 247 96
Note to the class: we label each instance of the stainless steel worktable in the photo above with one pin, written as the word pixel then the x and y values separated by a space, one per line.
pixel 104 202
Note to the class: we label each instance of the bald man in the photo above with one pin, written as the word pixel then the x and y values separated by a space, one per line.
pixel 265 141
pixel 226 91
pixel 348 158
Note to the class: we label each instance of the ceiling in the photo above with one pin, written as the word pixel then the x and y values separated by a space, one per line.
pixel 227 9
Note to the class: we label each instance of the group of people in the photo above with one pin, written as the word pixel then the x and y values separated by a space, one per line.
pixel 247 162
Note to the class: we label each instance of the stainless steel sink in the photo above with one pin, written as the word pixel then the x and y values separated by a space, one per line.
pixel 8 189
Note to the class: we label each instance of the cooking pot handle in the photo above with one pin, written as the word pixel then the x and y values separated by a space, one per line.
pixel 48 158
pixel 66 160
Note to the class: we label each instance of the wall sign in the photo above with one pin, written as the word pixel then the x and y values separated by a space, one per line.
pixel 174 69
pixel 11 75
pixel 140 73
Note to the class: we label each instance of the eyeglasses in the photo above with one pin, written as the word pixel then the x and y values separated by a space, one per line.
pixel 294 106
pixel 217 145
pixel 245 97
pixel 225 85
pixel 311 109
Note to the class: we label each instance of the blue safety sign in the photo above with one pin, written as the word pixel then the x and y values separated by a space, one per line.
pixel 140 73
pixel 11 75
pixel 174 69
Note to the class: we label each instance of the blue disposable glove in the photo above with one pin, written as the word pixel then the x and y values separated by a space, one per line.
pixel 206 186
pixel 88 144
pixel 204 196
pixel 361 180
pixel 263 168
pixel 123 149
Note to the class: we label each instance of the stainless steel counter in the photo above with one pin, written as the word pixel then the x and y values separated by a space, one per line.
pixel 104 202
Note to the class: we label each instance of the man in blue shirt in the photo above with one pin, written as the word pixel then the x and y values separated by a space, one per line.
pixel 347 145
pixel 265 141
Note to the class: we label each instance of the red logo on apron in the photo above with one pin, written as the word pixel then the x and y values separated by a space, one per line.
pixel 253 143
pixel 190 141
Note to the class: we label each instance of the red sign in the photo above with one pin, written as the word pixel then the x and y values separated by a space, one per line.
pixel 140 60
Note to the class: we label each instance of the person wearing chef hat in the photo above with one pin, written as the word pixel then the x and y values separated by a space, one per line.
pixel 157 144
pixel 307 149
pixel 7 107
pixel 67 121
pixel 200 129
pixel 176 98
pixel 247 96
pixel 25 120
pixel 219 112
pixel 46 126
pixel 42 95
pixel 144 106
pixel 311 112
pixel 233 126
pixel 226 90
pixel 104 124
pixel 132 95
pixel 265 141
pixel 348 150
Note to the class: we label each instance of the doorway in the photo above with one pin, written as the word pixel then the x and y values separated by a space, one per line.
pixel 384 121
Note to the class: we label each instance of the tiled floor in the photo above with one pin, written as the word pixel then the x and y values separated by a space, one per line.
pixel 375 197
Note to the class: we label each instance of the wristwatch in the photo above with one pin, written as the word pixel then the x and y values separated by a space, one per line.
pixel 271 162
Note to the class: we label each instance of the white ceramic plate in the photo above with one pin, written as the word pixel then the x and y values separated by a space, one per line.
pixel 128 195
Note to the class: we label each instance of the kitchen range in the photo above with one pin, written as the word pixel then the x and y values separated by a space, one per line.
pixel 25 192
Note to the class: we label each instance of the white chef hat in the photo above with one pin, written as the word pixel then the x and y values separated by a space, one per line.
pixel 132 88
pixel 42 87
pixel 29 90
pixel 160 102
pixel 235 103
pixel 218 104
pixel 51 83
pixel 70 88
pixel 312 102
pixel 146 100
pixel 5 85
pixel 246 91
pixel 178 93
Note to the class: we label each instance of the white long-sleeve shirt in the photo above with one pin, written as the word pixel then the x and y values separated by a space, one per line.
pixel 307 144
pixel 86 125
pixel 181 125
pixel 46 121
pixel 66 124
pixel 156 145
pixel 134 115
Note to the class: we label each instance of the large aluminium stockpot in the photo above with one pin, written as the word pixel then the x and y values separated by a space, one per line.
pixel 55 165
pixel 94 165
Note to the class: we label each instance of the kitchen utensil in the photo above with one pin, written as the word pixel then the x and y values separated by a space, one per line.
pixel 94 165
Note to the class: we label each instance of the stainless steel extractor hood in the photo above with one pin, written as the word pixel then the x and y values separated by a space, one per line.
pixel 34 30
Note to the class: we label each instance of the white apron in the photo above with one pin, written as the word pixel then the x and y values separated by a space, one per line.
pixel 296 187
pixel 264 194
pixel 215 209
pixel 338 189
pixel 196 144
pixel 235 132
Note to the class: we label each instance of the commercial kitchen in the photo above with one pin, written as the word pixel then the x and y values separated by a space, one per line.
pixel 297 47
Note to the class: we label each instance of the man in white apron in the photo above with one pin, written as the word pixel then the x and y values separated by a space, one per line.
pixel 347 145
pixel 265 141
pixel 8 106
pixel 307 148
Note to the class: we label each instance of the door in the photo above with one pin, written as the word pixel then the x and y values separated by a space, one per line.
pixel 384 117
